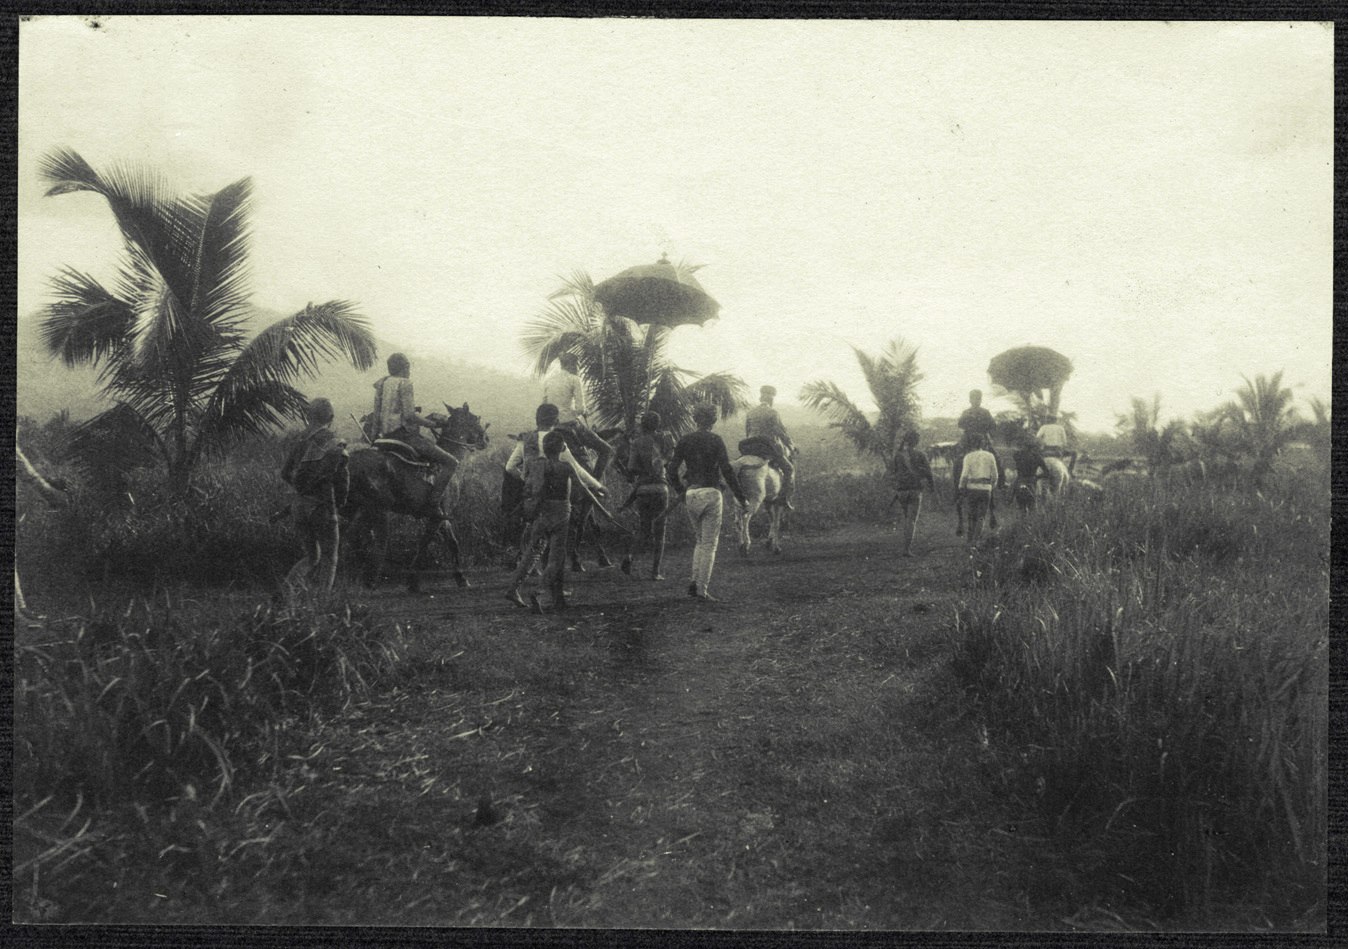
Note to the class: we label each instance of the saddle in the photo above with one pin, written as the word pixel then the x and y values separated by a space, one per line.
pixel 402 451
pixel 758 447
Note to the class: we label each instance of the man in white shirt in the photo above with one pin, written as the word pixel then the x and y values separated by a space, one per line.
pixel 1052 438
pixel 395 416
pixel 565 389
pixel 977 479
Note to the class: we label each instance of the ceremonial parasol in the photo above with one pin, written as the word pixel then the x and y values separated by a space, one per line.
pixel 658 293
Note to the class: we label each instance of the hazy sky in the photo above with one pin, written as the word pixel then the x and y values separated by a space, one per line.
pixel 1153 200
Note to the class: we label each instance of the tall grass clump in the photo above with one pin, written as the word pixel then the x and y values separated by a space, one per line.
pixel 124 724
pixel 219 533
pixel 1156 663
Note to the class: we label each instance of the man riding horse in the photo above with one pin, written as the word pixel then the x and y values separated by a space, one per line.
pixel 1052 439
pixel 978 425
pixel 766 437
pixel 395 417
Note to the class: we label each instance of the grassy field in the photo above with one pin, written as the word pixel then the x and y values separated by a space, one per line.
pixel 1109 717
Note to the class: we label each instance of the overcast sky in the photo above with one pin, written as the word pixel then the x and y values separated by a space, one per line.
pixel 1152 200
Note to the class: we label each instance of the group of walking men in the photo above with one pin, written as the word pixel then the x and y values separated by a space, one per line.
pixel 663 476
pixel 981 470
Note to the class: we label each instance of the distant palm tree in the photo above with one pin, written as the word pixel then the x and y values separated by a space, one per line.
pixel 1032 410
pixel 624 365
pixel 892 376
pixel 1264 420
pixel 170 341
pixel 1159 444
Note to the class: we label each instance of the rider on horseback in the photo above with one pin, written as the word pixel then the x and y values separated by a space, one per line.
pixel 396 417
pixel 766 437
pixel 975 422
pixel 1052 438
pixel 565 390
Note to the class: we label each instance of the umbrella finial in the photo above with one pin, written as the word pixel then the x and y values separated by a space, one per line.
pixel 664 257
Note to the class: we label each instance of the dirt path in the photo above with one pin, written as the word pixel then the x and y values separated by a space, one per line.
pixel 794 756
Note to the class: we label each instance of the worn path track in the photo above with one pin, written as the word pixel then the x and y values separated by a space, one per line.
pixel 794 756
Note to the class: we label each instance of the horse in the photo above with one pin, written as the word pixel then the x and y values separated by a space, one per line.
pixel 1059 477
pixel 762 486
pixel 385 480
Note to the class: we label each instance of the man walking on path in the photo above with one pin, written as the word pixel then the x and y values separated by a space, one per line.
pixel 763 426
pixel 530 446
pixel 316 468
pixel 646 459
pixel 703 454
pixel 976 483
pixel 912 472
pixel 547 498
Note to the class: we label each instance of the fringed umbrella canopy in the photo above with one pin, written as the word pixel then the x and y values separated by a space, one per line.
pixel 656 293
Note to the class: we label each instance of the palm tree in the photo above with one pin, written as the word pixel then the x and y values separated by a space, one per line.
pixel 1264 421
pixel 1159 444
pixel 170 341
pixel 892 376
pixel 623 364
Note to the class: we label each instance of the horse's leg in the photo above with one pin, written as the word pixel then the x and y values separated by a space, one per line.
pixel 775 526
pixel 601 556
pixel 419 559
pixel 452 545
pixel 579 514
pixel 745 514
pixel 378 548
pixel 298 576
pixel 956 469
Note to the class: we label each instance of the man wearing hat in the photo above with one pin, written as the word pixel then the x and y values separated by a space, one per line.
pixel 763 428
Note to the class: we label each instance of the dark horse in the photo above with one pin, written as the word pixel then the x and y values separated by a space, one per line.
pixel 385 482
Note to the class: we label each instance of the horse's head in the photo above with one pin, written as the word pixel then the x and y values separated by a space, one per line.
pixel 461 429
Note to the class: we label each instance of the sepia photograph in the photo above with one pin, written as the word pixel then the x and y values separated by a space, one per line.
pixel 590 473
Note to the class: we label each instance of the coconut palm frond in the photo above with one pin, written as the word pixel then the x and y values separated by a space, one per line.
pixel 560 328
pixel 828 399
pixel 579 284
pixel 219 292
pixel 727 392
pixel 1319 410
pixel 686 269
pixel 260 408
pixel 298 345
pixel 156 222
pixel 86 324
